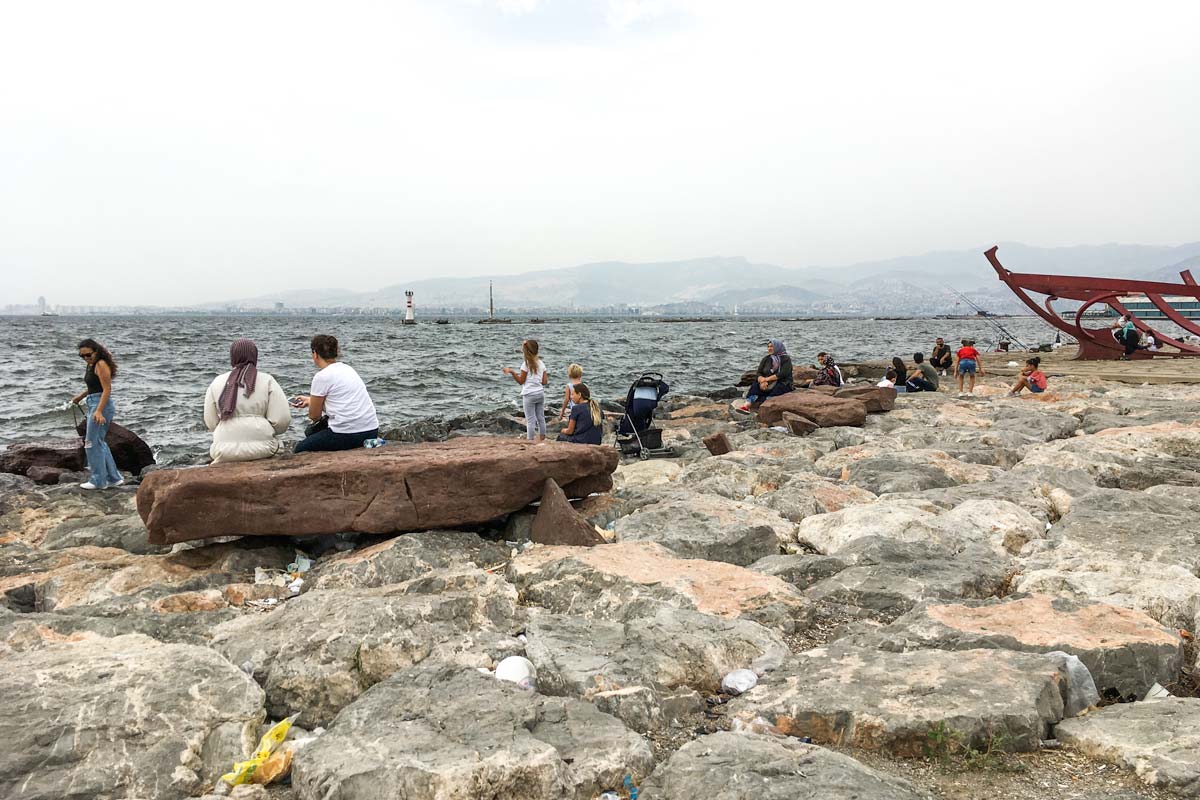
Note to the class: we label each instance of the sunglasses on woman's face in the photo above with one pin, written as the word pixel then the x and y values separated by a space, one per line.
pixel 86 355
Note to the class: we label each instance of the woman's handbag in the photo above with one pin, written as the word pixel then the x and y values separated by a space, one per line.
pixel 317 426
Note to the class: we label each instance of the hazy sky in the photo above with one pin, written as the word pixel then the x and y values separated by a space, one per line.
pixel 171 153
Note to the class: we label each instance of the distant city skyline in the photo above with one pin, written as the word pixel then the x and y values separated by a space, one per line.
pixel 160 154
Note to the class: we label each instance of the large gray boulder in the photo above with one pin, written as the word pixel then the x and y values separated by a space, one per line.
pixel 1000 526
pixel 889 577
pixel 321 650
pixel 648 671
pixel 59 518
pixel 448 732
pixel 1158 740
pixel 1126 651
pixel 403 558
pixel 709 527
pixel 631 579
pixel 876 700
pixel 890 470
pixel 734 766
pixel 128 717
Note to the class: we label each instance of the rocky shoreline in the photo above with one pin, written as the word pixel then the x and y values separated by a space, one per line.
pixel 960 598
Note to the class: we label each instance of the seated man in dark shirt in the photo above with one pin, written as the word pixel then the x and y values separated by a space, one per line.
pixel 584 424
pixel 941 358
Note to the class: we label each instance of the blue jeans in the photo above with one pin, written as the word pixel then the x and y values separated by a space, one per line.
pixel 99 457
pixel 327 441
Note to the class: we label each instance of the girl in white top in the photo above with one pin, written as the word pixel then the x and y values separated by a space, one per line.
pixel 245 409
pixel 574 378
pixel 532 377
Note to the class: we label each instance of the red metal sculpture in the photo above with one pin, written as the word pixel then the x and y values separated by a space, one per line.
pixel 1098 343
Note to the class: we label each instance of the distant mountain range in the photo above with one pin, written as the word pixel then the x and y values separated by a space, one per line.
pixel 921 284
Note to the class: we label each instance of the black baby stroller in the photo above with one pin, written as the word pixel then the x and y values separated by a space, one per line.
pixel 635 436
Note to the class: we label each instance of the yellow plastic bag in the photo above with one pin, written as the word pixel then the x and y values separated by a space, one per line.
pixel 278 765
pixel 243 771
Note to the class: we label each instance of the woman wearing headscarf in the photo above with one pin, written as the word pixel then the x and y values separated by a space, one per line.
pixel 774 374
pixel 828 374
pixel 245 409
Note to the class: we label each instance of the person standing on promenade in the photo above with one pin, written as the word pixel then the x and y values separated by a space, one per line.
pixel 968 365
pixel 101 369
pixel 245 424
pixel 532 377
pixel 941 359
pixel 338 403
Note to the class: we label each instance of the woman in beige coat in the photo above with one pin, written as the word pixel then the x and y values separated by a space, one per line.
pixel 245 409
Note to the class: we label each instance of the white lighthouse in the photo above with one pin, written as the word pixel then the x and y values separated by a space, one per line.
pixel 409 319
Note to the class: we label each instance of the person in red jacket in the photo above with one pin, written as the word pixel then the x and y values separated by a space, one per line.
pixel 968 365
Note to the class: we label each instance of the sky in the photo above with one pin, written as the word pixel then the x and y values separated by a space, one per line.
pixel 170 153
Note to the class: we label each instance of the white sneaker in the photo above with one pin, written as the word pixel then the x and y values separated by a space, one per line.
pixel 120 482
pixel 88 485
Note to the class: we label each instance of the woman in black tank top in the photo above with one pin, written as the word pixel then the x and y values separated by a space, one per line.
pixel 101 368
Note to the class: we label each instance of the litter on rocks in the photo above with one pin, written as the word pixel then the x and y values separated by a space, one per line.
pixel 631 788
pixel 270 577
pixel 610 796
pixel 738 681
pixel 1081 688
pixel 1157 692
pixel 518 670
pixel 295 586
pixel 244 771
pixel 301 565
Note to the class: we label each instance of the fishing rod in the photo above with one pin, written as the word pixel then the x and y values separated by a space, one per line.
pixel 983 313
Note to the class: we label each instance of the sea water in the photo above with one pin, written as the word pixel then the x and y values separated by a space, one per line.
pixel 412 371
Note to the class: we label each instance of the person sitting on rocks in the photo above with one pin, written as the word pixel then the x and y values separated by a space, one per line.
pixel 941 359
pixel 828 374
pixel 584 426
pixel 821 356
pixel 774 375
pixel 339 405
pixel 1032 378
pixel 888 381
pixel 245 424
pixel 922 377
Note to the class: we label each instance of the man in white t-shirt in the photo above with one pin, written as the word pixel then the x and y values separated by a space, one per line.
pixel 339 397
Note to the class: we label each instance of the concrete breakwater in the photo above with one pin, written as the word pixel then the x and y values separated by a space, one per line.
pixel 957 575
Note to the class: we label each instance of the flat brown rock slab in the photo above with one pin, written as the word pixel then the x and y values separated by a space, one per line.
pixel 1159 740
pixel 1125 650
pixel 825 410
pixel 624 580
pixel 876 398
pixel 383 490
pixel 906 703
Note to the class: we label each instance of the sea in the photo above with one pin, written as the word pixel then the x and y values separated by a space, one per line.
pixel 415 372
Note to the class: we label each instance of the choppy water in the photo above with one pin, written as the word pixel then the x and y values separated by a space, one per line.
pixel 412 372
